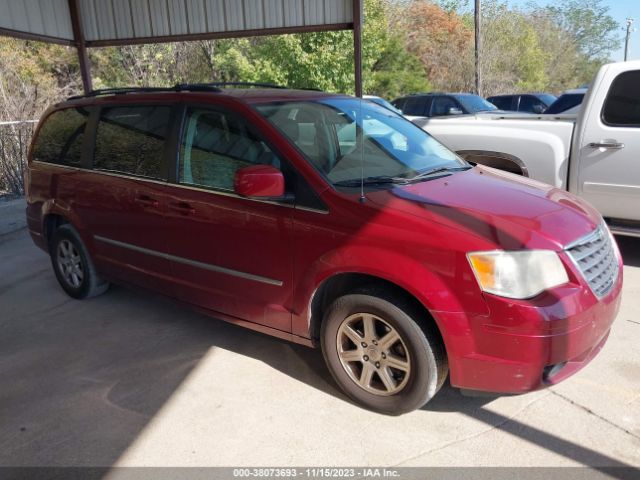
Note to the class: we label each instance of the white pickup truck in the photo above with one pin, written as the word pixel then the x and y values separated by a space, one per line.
pixel 595 155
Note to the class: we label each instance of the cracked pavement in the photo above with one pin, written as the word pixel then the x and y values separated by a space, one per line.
pixel 132 379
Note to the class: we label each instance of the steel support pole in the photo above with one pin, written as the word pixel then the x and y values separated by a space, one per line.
pixel 478 44
pixel 78 35
pixel 357 45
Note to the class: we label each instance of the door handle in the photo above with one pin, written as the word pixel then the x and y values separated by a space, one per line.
pixel 147 201
pixel 182 207
pixel 608 144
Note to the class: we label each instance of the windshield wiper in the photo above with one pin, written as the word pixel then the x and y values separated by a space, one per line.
pixel 434 171
pixel 378 180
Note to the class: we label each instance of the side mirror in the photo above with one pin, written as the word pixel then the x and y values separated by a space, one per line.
pixel 455 111
pixel 538 108
pixel 259 181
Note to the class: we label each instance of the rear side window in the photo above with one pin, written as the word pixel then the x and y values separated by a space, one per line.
pixel 622 106
pixel 131 140
pixel 60 138
pixel 529 103
pixel 414 106
pixel 444 106
pixel 503 103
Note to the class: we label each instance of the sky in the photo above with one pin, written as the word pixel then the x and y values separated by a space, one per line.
pixel 619 10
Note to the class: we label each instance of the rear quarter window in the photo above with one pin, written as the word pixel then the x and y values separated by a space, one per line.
pixel 622 106
pixel 60 138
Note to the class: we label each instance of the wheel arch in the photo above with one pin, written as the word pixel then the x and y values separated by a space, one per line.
pixel 344 283
pixel 54 214
pixel 500 160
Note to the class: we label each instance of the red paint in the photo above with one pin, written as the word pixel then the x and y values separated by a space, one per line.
pixel 414 236
pixel 259 181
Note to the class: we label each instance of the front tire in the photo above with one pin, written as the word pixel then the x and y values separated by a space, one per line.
pixel 377 352
pixel 73 266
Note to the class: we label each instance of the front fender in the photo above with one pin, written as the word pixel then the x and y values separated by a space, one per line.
pixel 433 290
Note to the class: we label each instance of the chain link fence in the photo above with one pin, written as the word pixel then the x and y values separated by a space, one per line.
pixel 14 143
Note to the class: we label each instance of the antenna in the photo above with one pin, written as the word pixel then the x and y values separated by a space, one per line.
pixel 626 40
pixel 361 120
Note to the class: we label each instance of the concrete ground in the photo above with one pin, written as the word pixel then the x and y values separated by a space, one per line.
pixel 132 379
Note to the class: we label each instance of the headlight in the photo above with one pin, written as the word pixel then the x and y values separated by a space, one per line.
pixel 522 274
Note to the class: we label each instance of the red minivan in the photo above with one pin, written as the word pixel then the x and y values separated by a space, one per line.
pixel 325 219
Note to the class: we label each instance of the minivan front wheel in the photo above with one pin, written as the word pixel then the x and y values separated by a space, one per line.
pixel 73 266
pixel 378 353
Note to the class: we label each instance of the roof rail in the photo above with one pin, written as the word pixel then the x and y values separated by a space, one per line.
pixel 257 84
pixel 180 87
pixel 121 91
pixel 231 84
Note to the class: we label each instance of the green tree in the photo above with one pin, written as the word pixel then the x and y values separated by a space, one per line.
pixel 593 30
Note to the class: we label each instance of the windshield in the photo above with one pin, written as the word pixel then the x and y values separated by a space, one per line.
pixel 474 103
pixel 565 102
pixel 347 139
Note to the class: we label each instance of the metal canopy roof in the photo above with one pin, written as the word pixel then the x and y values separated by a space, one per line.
pixel 98 23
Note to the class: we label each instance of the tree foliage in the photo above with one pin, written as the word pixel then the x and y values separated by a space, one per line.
pixel 549 48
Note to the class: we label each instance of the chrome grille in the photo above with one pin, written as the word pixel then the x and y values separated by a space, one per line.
pixel 595 257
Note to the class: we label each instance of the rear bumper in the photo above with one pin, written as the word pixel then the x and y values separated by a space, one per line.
pixel 527 345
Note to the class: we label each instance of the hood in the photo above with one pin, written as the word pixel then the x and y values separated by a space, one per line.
pixel 502 209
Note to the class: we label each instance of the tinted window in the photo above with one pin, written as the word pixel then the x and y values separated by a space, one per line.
pixel 414 106
pixel 622 107
pixel 399 103
pixel 216 144
pixel 131 140
pixel 442 105
pixel 60 138
pixel 565 102
pixel 529 103
pixel 503 103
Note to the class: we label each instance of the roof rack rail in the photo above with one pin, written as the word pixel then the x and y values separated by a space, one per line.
pixel 121 91
pixel 180 87
pixel 232 84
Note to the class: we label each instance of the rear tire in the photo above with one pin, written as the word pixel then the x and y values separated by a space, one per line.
pixel 379 354
pixel 73 266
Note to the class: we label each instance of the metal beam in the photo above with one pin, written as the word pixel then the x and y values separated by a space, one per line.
pixel 218 35
pixel 78 34
pixel 7 32
pixel 357 45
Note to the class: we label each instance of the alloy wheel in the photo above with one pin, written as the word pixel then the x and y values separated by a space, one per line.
pixel 373 354
pixel 70 263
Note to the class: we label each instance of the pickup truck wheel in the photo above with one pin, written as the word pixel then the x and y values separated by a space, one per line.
pixel 73 266
pixel 379 355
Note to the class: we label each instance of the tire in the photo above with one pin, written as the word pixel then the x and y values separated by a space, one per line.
pixel 400 376
pixel 73 266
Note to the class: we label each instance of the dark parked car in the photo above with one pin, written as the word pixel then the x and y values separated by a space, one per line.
pixel 441 104
pixel 524 102
pixel 567 101
pixel 325 220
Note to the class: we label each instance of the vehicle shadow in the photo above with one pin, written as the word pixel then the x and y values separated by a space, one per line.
pixel 630 250
pixel 81 380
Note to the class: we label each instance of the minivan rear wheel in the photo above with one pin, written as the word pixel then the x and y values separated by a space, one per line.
pixel 72 265
pixel 378 353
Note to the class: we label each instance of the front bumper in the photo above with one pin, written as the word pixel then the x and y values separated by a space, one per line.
pixel 526 345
